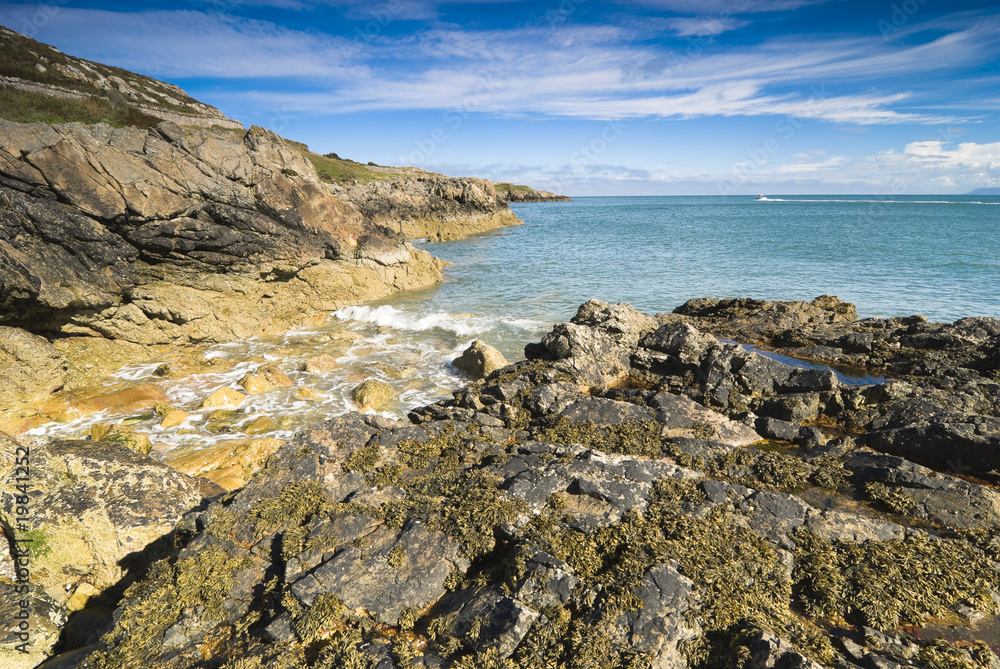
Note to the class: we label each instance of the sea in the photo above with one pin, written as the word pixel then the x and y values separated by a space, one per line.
pixel 890 255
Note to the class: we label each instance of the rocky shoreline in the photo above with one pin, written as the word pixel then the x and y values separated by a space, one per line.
pixel 514 193
pixel 635 493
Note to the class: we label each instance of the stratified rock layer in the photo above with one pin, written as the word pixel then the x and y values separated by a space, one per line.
pixel 175 235
pixel 432 206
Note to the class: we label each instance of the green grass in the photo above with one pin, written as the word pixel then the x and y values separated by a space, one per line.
pixel 333 169
pixel 505 187
pixel 29 107
pixel 20 56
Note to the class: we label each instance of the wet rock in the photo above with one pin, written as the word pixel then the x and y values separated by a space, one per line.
pixel 260 424
pixel 479 360
pixel 122 434
pixel 263 379
pixel 321 364
pixel 308 394
pixel 229 463
pixel 173 418
pixel 223 397
pixel 142 396
pixel 371 394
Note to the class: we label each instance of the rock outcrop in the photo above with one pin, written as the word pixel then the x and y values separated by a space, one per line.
pixel 176 235
pixel 430 206
pixel 512 193
pixel 610 502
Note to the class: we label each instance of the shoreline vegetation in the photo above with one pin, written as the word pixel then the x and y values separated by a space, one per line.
pixel 636 492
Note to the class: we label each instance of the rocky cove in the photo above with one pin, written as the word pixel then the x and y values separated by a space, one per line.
pixel 635 492
pixel 212 457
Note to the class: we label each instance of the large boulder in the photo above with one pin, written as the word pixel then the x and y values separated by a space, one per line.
pixel 595 346
pixel 479 360
pixel 95 511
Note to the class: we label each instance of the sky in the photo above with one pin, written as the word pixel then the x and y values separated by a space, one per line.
pixel 641 97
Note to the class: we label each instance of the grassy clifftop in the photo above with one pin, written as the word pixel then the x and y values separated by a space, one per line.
pixel 39 83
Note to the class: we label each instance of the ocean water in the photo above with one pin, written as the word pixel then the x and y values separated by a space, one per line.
pixel 891 256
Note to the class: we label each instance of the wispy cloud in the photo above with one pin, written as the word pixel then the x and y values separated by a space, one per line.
pixel 576 71
pixel 705 26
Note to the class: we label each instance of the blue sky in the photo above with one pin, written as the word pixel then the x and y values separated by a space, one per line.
pixel 644 97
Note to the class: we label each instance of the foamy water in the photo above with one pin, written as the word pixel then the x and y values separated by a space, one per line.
pixel 891 256
pixel 409 350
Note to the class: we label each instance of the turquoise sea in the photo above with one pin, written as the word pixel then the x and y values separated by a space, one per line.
pixel 891 256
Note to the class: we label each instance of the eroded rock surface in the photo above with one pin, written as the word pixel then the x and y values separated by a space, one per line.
pixel 611 502
pixel 180 235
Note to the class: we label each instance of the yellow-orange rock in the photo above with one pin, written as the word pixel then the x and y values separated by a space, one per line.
pixel 223 397
pixel 321 364
pixel 121 434
pixel 372 394
pixel 142 396
pixel 263 379
pixel 260 424
pixel 228 463
pixel 308 394
pixel 173 418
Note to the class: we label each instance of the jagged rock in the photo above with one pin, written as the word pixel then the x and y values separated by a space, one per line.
pixel 595 346
pixel 30 368
pixel 367 576
pixel 533 520
pixel 661 624
pixel 923 493
pixel 429 205
pixel 179 235
pixel 479 360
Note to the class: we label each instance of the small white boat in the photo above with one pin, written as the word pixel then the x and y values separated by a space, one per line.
pixel 761 197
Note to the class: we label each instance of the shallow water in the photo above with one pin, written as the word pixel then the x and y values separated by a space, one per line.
pixel 939 256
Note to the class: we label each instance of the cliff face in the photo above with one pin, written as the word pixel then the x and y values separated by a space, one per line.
pixel 178 235
pixel 429 205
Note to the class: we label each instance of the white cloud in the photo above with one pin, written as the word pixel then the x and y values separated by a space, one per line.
pixel 705 26
pixel 569 71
